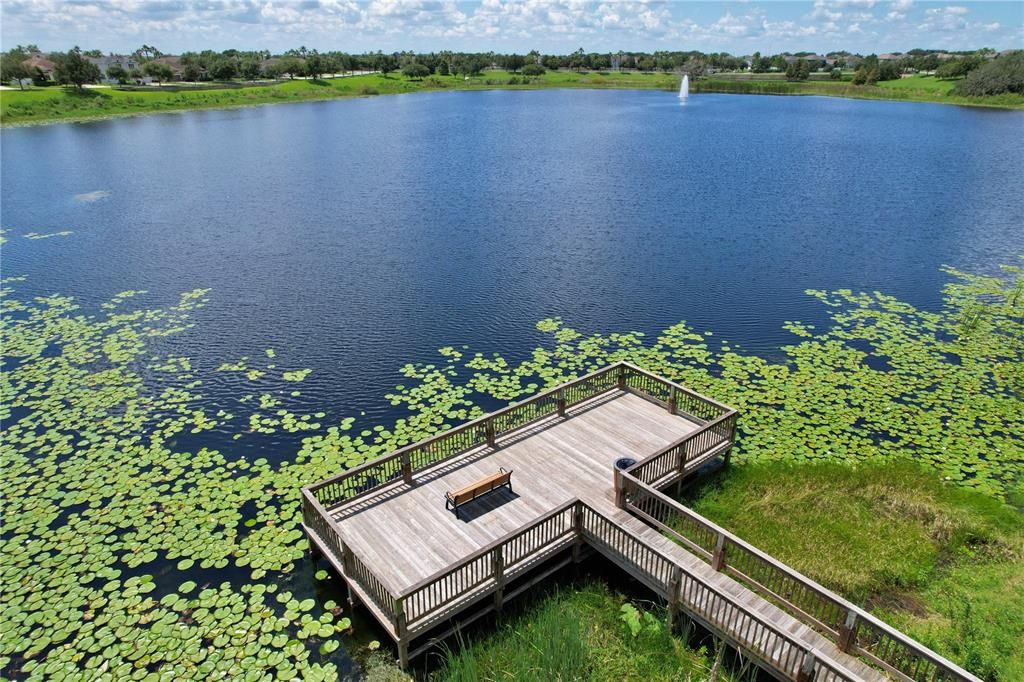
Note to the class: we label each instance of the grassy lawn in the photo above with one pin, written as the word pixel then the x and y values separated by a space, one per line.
pixel 581 635
pixel 917 89
pixel 942 563
pixel 927 84
pixel 43 105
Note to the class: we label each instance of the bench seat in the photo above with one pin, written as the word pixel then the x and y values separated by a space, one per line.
pixel 453 500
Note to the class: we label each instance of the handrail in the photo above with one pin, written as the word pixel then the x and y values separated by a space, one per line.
pixel 404 462
pixel 481 421
pixel 681 444
pixel 487 549
pixel 852 617
pixel 677 386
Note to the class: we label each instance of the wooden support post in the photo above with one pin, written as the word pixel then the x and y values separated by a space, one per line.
pixel 673 401
pixel 346 560
pixel 620 488
pixel 577 525
pixel 673 597
pixel 406 469
pixel 314 550
pixel 489 426
pixel 718 557
pixel 806 672
pixel 561 404
pixel 848 633
pixel 622 377
pixel 400 632
pixel 351 596
pixel 498 566
pixel 727 457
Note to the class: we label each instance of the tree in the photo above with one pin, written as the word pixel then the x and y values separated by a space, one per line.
pixel 117 73
pixel 386 63
pixel 315 65
pixel 836 74
pixel 71 68
pixel 95 54
pixel 272 70
pixel 514 62
pixel 803 69
pixel 147 52
pixel 415 70
pixel 13 67
pixel 135 74
pixel 224 69
pixel 292 66
pixel 860 76
pixel 533 70
pixel 158 71
pixel 1003 74
pixel 251 69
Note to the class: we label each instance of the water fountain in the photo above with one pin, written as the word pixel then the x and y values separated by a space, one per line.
pixel 684 87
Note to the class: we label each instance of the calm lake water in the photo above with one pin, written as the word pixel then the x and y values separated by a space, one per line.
pixel 355 236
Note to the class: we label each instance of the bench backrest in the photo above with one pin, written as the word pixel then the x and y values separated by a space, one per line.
pixel 482 486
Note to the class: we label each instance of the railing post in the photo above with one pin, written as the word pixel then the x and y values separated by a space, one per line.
pixel 346 559
pixel 498 567
pixel 718 557
pixel 577 526
pixel 489 429
pixel 848 633
pixel 561 403
pixel 622 377
pixel 673 401
pixel 673 596
pixel 400 627
pixel 406 469
pixel 806 672
pixel 620 488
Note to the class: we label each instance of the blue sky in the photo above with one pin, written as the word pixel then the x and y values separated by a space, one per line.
pixel 513 25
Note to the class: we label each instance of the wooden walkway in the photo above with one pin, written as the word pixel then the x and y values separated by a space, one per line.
pixel 417 567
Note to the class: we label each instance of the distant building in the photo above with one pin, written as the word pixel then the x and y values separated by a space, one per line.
pixel 39 64
pixel 104 63
pixel 891 57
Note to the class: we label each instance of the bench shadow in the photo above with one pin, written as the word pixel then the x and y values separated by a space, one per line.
pixel 474 509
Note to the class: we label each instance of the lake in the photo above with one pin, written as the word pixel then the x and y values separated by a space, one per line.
pixel 355 236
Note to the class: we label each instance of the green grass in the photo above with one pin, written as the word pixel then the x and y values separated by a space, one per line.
pixel 51 104
pixel 917 89
pixel 942 563
pixel 579 635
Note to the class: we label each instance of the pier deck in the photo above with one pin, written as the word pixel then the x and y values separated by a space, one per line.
pixel 417 566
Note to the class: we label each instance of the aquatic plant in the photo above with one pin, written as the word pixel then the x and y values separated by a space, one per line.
pixel 125 553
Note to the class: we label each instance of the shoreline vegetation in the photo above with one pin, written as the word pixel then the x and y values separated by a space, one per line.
pixel 130 551
pixel 45 105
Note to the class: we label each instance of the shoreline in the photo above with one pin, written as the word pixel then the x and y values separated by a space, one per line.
pixel 272 94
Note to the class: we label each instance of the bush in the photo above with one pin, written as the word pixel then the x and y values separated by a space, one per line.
pixel 1001 75
pixel 514 80
pixel 367 90
pixel 533 70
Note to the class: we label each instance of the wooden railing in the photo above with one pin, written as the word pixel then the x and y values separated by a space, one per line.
pixel 403 464
pixel 489 567
pixel 678 458
pixel 854 630
pixel 317 520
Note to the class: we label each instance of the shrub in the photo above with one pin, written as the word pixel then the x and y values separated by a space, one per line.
pixel 533 70
pixel 1001 75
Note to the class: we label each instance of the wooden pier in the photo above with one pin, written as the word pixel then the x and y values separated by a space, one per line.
pixel 423 571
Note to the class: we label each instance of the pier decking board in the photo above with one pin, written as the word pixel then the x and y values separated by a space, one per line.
pixel 412 536
pixel 385 528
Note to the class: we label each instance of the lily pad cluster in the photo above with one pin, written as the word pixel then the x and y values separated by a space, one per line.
pixel 126 555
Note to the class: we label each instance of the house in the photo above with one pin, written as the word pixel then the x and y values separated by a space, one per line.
pixel 104 63
pixel 891 57
pixel 40 65
pixel 174 62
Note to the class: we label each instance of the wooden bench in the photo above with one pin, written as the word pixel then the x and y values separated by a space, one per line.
pixel 453 500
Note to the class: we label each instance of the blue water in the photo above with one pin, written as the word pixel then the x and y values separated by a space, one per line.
pixel 355 236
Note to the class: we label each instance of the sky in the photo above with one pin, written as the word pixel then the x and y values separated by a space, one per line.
pixel 551 26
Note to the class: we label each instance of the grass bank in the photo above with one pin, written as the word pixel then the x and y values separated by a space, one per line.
pixel 590 633
pixel 915 89
pixel 940 562
pixel 54 104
